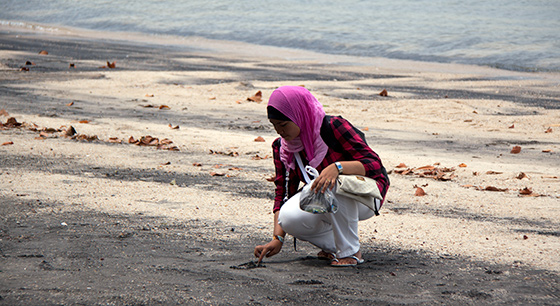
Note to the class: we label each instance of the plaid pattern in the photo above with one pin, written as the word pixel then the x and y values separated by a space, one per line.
pixel 354 149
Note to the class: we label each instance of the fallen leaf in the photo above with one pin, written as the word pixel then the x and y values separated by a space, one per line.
pixel 115 140
pixel 70 104
pixel 43 52
pixel 549 130
pixel 165 164
pixel 462 165
pixel 149 96
pixel 28 63
pixel 366 129
pixel 515 150
pixel 428 167
pixel 111 65
pixel 259 139
pixel 197 164
pixel 71 65
pixel 24 69
pixel 547 150
pixel 132 140
pixel 257 157
pixel 401 165
pixel 70 131
pixel 493 172
pixel 521 176
pixel 164 107
pixel 525 191
pixel 83 121
pixel 212 98
pixel 256 98
pixel 419 192
pixel 7 143
pixel 217 174
pixel 492 188
pixel 173 127
pixel 384 93
pixel 270 179
pixel 512 126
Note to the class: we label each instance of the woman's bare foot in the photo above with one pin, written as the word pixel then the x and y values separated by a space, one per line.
pixel 350 261
pixel 326 255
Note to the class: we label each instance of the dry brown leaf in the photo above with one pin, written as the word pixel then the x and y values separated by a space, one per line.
pixel 462 165
pixel 231 153
pixel 115 140
pixel 70 131
pixel 366 129
pixel 259 139
pixel 217 174
pixel 83 121
pixel 521 176
pixel 166 141
pixel 70 104
pixel 419 192
pixel 164 107
pixel 492 188
pixel 173 127
pixel 24 69
pixel 111 65
pixel 212 98
pixel 270 179
pixel 428 167
pixel 401 165
pixel 493 172
pixel 43 52
pixel 256 98
pixel 7 143
pixel 197 164
pixel 525 191
pixel 515 150
pixel 132 140
pixel 549 130
pixel 384 93
pixel 257 157
pixel 149 96
pixel 547 150
pixel 512 126
pixel 28 63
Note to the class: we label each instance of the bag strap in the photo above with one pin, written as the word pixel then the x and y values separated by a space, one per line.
pixel 302 168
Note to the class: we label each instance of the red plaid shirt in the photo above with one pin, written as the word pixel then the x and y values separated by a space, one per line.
pixel 354 149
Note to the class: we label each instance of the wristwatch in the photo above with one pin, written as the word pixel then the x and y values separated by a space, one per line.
pixel 339 167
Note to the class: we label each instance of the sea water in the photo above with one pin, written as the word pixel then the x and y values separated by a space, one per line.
pixel 508 34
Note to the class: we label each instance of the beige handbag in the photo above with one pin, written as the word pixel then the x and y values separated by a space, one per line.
pixel 362 189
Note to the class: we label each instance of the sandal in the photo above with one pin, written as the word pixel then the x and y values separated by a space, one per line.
pixel 358 262
pixel 326 256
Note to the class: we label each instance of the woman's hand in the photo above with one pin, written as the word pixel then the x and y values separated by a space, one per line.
pixel 327 179
pixel 270 249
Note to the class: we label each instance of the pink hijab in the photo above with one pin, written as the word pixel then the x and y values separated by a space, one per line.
pixel 303 109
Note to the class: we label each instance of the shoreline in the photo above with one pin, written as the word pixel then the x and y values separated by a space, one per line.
pixel 247 50
pixel 210 202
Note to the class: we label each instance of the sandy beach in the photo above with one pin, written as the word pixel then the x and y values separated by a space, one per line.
pixel 93 211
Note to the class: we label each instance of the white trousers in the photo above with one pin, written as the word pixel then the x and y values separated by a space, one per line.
pixel 332 232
